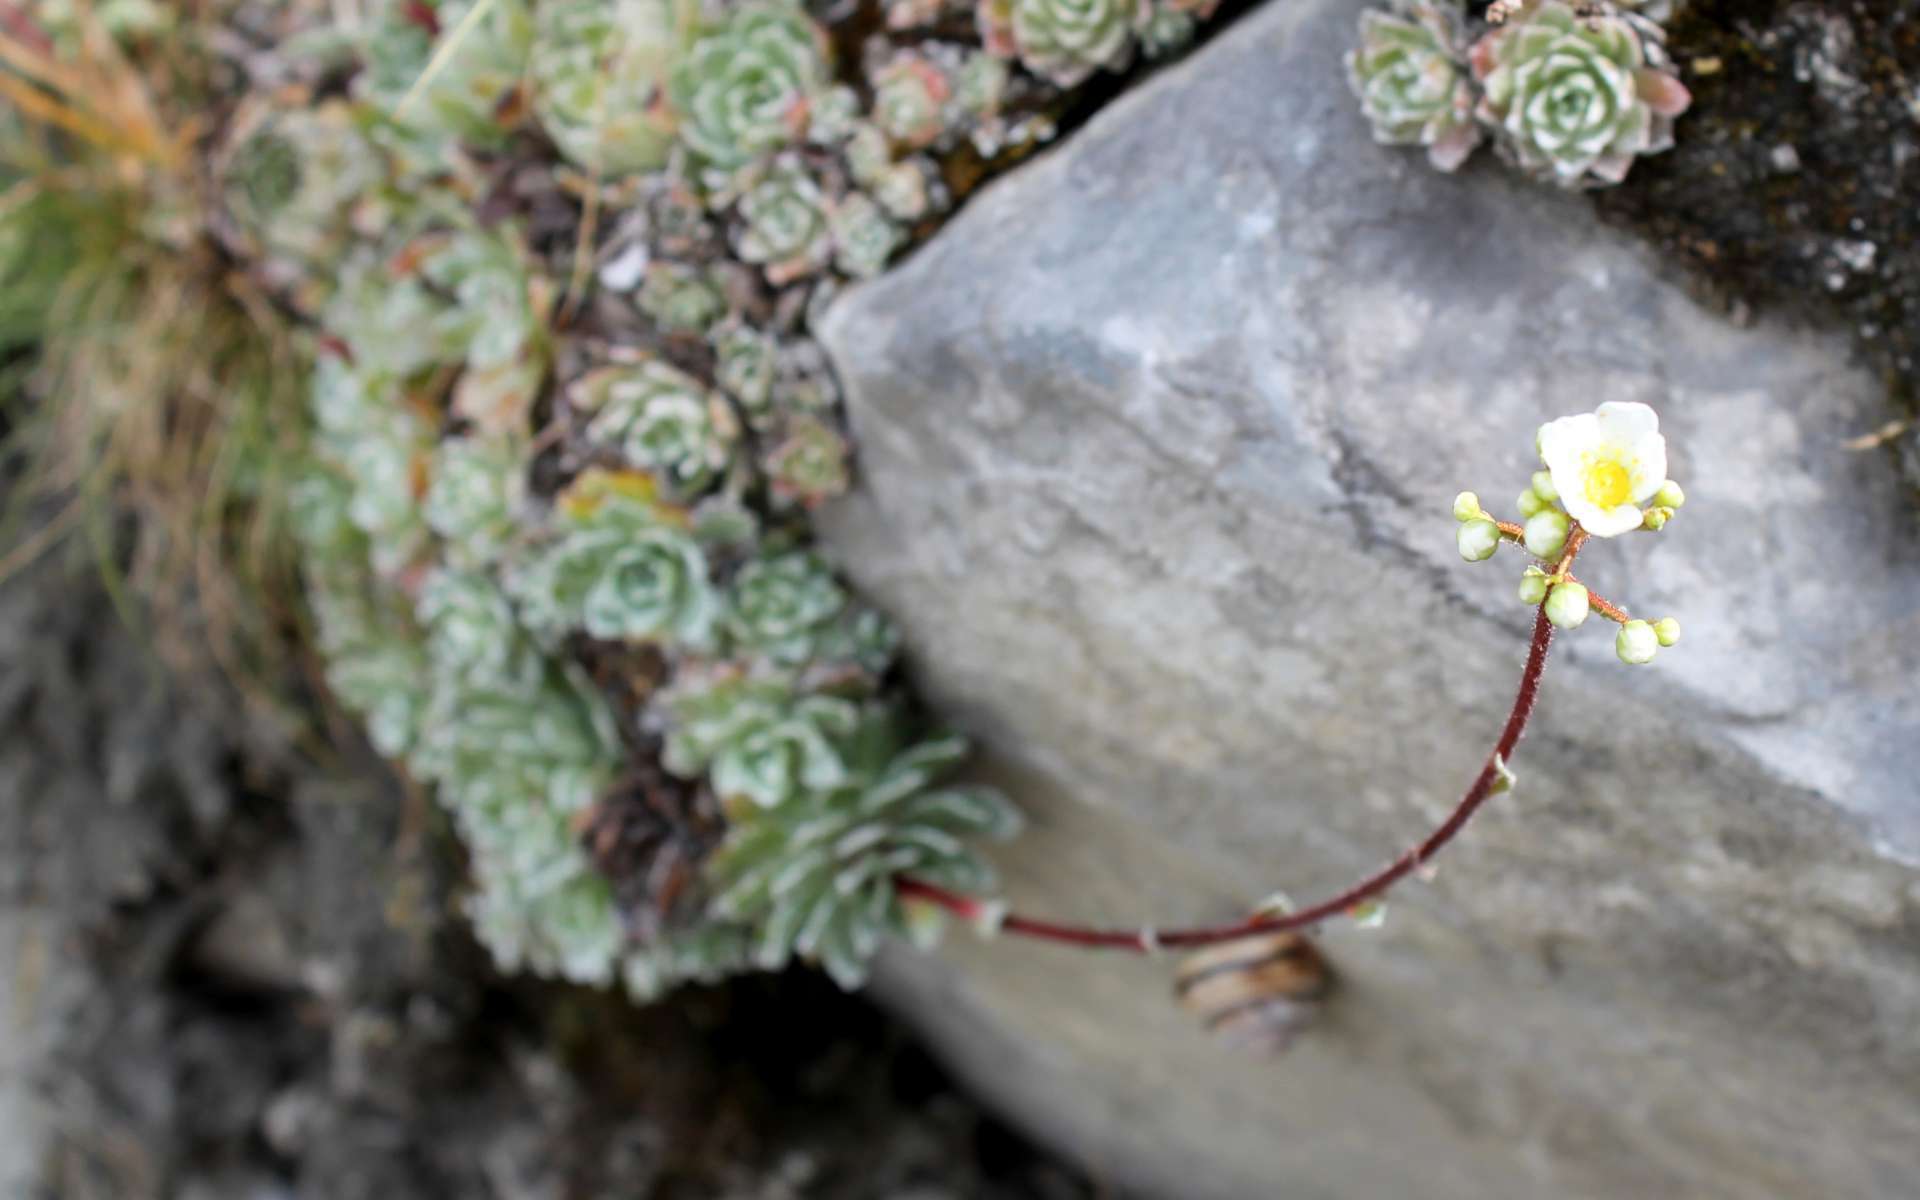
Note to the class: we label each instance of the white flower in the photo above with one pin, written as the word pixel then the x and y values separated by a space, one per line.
pixel 1606 464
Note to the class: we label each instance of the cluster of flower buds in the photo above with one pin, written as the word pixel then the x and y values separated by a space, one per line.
pixel 1605 474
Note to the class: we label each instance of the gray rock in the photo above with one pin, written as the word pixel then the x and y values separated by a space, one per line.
pixel 1159 440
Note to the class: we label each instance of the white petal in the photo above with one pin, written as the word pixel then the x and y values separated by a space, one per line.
pixel 1648 463
pixel 1563 443
pixel 1607 522
pixel 1624 421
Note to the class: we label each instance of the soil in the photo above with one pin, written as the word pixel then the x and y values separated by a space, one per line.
pixel 1794 179
pixel 237 973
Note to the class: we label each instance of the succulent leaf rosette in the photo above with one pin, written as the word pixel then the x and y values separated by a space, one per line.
pixel 784 224
pixel 474 79
pixel 293 178
pixel 680 298
pixel 476 489
pixel 864 238
pixel 1412 85
pixel 745 363
pixel 599 71
pixel 1577 97
pixel 832 114
pixel 782 606
pixel 544 738
pixel 910 96
pixel 493 320
pixel 745 88
pixel 755 737
pixel 1166 30
pixel 808 464
pixel 1062 41
pixel 472 633
pixel 623 567
pixel 376 666
pixel 815 876
pixel 662 419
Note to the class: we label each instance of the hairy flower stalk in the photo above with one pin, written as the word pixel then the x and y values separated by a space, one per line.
pixel 1610 452
pixel 1146 939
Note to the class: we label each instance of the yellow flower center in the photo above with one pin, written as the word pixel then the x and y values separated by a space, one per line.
pixel 1606 481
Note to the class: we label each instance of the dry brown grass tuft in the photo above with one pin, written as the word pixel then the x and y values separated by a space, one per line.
pixel 154 391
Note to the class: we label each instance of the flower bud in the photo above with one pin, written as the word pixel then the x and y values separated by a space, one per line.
pixel 1667 630
pixel 1466 506
pixel 1543 486
pixel 1533 587
pixel 1636 643
pixel 1567 605
pixel 1529 504
pixel 1669 495
pixel 1655 519
pixel 1546 533
pixel 1478 539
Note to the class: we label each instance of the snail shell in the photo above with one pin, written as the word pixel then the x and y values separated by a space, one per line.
pixel 1258 991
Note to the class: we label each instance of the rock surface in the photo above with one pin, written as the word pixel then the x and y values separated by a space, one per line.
pixel 1159 439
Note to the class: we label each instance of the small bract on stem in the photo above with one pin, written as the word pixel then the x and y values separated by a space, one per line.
pixel 1601 468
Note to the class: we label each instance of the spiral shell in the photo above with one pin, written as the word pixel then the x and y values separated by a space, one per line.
pixel 1257 991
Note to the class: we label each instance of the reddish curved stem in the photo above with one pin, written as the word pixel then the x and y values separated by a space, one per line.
pixel 1147 939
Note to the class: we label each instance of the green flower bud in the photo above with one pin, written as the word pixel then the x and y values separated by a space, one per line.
pixel 1567 605
pixel 1533 587
pixel 1670 495
pixel 1546 533
pixel 1543 486
pixel 1636 643
pixel 1667 630
pixel 1478 539
pixel 1655 519
pixel 1466 506
pixel 1529 504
